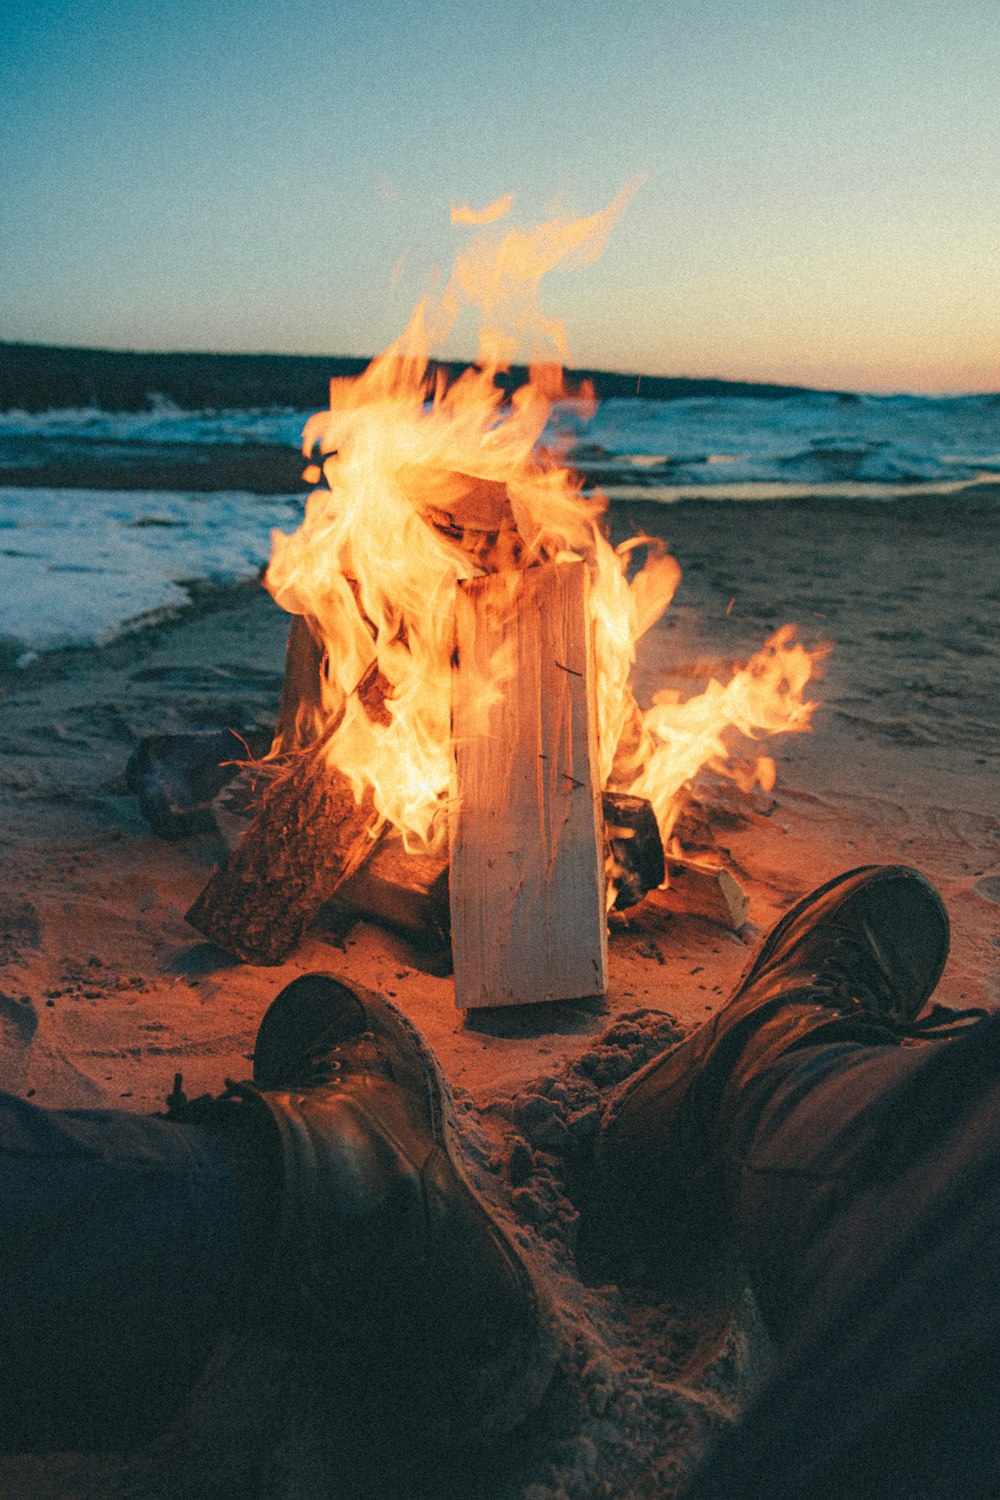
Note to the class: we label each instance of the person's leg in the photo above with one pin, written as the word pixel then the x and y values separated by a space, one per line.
pixel 409 1293
pixel 819 1128
pixel 869 1213
pixel 859 1176
pixel 331 1193
pixel 122 1243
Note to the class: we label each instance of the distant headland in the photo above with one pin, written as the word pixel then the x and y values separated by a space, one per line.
pixel 44 377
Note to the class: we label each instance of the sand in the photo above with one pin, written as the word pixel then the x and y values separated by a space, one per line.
pixel 105 992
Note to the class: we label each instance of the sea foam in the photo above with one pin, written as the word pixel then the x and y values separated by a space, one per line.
pixel 78 565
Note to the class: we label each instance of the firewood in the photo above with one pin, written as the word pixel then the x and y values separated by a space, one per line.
pixel 528 915
pixel 697 889
pixel 299 723
pixel 308 838
pixel 408 892
pixel 630 825
pixel 473 513
pixel 300 710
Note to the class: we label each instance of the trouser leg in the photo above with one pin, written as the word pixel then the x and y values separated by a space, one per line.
pixel 867 1185
pixel 121 1238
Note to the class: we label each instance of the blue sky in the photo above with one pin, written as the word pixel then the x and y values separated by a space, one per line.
pixel 822 195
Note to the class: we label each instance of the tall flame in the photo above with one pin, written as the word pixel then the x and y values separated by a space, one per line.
pixel 429 481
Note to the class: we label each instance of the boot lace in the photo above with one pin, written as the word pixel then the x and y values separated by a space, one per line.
pixel 361 1053
pixel 850 977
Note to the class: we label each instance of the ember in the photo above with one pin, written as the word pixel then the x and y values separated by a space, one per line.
pixel 427 490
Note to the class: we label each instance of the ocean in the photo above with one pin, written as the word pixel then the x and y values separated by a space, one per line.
pixel 110 518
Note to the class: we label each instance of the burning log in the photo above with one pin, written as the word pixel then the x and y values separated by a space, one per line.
pixel 300 709
pixel 527 867
pixel 698 889
pixel 299 723
pixel 408 892
pixel 474 514
pixel 308 838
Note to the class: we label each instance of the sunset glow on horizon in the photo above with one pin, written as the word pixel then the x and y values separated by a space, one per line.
pixel 820 207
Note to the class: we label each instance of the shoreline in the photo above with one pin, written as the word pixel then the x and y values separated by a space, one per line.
pixel 931 508
pixel 78 462
pixel 199 468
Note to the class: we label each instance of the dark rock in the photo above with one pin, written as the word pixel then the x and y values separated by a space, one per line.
pixel 176 776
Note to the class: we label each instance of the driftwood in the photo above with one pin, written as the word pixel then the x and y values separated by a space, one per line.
pixel 308 838
pixel 697 889
pixel 527 850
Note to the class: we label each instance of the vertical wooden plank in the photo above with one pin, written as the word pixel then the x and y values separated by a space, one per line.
pixel 528 917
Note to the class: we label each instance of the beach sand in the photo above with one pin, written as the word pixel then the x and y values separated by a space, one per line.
pixel 105 992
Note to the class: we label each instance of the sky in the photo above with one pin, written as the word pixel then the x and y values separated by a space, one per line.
pixel 821 196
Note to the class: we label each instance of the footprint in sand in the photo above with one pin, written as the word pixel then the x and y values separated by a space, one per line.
pixel 19 1015
pixel 20 928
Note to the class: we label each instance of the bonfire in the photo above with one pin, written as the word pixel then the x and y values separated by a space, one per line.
pixel 457 699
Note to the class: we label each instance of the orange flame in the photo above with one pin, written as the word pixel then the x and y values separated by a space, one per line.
pixel 428 482
pixel 684 735
pixel 498 209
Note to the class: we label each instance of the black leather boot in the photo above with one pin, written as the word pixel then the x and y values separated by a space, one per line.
pixel 854 961
pixel 405 1285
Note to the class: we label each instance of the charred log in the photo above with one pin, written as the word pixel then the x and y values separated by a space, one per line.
pixel 631 828
pixel 407 892
pixel 310 835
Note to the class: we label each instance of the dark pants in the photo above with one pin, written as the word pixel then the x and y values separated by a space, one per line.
pixel 867 1185
pixel 121 1240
